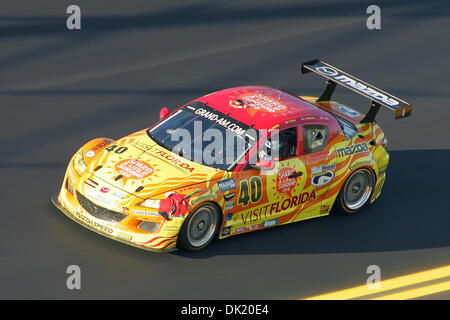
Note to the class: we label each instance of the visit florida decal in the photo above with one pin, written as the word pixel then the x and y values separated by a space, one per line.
pixel 259 213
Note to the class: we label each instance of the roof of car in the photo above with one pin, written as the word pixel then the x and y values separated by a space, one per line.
pixel 262 107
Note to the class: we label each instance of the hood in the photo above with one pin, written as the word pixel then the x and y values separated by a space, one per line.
pixel 139 166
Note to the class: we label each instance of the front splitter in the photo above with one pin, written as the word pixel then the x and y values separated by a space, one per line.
pixel 55 201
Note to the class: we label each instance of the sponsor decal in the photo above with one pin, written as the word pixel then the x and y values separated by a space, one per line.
pixel 171 228
pixel 284 183
pixel 240 229
pixel 119 195
pixel 220 120
pixel 261 213
pixel 201 198
pixel 163 154
pixel 270 223
pixel 203 110
pixel 226 231
pixel 124 236
pixel 146 213
pixel 93 223
pixel 360 163
pixel 262 102
pixel 228 216
pixel 174 160
pixel 229 196
pixel 134 169
pixel 229 205
pixel 322 175
pixel 144 146
pixel 323 168
pixel 89 154
pixel 104 190
pixel 253 227
pixel 334 74
pixel 100 145
pixel 327 70
pixel 226 185
pixel 348 111
pixel 357 148
pixel 324 209
pixel 322 179
pixel 98 198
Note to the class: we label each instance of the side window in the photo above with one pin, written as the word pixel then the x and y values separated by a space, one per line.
pixel 348 128
pixel 288 143
pixel 315 137
pixel 282 147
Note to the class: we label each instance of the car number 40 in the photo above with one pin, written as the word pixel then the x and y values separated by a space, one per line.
pixel 254 194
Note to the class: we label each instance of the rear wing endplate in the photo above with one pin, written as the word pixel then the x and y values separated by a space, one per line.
pixel 401 108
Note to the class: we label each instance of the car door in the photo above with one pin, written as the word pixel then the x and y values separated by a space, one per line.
pixel 320 161
pixel 266 198
pixel 282 186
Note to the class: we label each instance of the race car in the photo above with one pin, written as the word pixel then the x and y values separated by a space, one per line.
pixel 230 162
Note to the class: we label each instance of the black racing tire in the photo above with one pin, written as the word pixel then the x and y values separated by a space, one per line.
pixel 200 228
pixel 356 192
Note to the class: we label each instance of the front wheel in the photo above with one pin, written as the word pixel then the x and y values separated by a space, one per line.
pixel 356 191
pixel 199 228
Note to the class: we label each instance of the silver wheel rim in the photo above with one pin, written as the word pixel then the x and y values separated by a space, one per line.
pixel 202 226
pixel 358 189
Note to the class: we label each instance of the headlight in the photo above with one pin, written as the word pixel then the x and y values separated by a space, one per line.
pixel 79 164
pixel 150 203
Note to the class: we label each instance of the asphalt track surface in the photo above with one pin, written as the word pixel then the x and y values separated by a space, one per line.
pixel 59 89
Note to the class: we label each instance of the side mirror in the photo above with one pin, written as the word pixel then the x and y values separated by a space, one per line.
pixel 163 113
pixel 264 164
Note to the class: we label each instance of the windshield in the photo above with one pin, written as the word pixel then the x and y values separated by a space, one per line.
pixel 204 135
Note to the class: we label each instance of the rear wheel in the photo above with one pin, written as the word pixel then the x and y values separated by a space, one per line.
pixel 199 228
pixel 356 191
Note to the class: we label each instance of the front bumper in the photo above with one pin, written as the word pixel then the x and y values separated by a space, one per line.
pixel 156 243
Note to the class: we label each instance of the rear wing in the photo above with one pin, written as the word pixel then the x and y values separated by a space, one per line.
pixel 401 108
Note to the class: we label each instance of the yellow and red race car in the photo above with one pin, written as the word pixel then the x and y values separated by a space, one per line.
pixel 231 162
